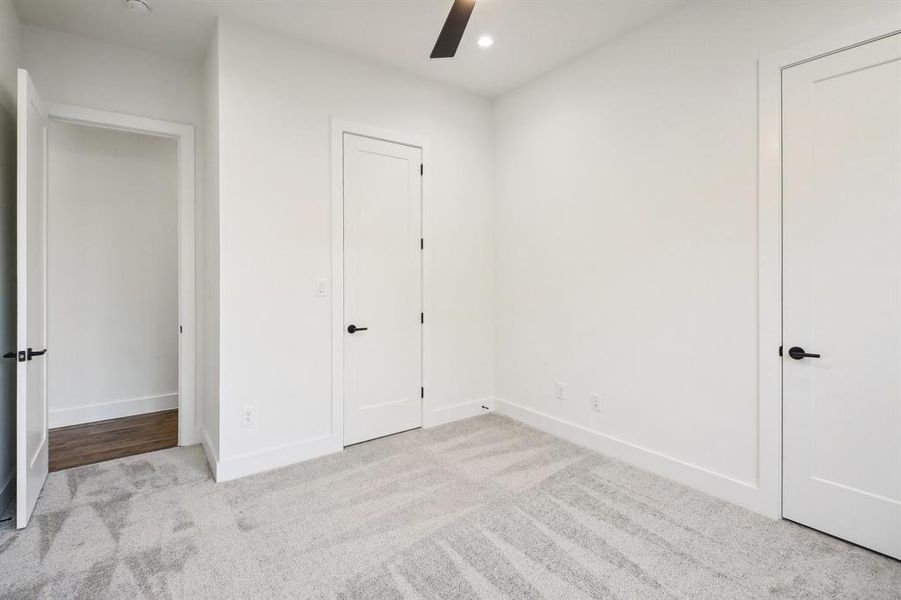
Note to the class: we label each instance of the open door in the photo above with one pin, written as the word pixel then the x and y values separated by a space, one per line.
pixel 31 263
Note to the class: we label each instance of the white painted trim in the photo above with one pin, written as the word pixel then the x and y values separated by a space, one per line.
pixel 743 493
pixel 769 242
pixel 118 121
pixel 461 410
pixel 188 433
pixel 90 413
pixel 209 450
pixel 7 491
pixel 277 457
pixel 338 128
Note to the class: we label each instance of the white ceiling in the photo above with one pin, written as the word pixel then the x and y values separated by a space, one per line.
pixel 531 36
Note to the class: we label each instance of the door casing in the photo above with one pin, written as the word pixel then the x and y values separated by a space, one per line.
pixel 188 432
pixel 338 128
pixel 768 499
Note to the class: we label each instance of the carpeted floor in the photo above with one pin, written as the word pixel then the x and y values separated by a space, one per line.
pixel 480 508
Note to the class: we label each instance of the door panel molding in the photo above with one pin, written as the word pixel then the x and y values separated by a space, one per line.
pixel 769 242
pixel 338 128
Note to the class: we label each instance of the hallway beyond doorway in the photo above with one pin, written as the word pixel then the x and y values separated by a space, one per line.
pixel 90 443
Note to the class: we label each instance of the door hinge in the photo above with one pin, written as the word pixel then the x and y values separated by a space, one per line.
pixel 421 169
pixel 180 329
pixel 422 392
pixel 780 350
pixel 421 244
pixel 422 317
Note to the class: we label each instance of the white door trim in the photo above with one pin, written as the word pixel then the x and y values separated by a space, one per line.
pixel 338 128
pixel 769 241
pixel 188 433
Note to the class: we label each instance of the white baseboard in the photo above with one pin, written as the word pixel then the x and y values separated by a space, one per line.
pixel 727 488
pixel 7 490
pixel 274 458
pixel 112 410
pixel 282 456
pixel 461 410
pixel 209 450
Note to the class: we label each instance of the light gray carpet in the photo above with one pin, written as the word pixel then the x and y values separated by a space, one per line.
pixel 480 508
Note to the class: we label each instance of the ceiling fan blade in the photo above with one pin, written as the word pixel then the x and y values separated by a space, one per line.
pixel 452 32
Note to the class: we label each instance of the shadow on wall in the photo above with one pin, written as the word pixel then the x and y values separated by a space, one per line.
pixel 7 303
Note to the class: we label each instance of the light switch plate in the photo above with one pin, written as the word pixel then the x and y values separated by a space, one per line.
pixel 322 288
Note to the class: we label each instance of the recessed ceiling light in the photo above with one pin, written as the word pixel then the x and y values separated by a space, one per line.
pixel 138 7
pixel 485 41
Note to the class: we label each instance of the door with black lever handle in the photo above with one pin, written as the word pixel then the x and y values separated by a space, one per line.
pixel 25 354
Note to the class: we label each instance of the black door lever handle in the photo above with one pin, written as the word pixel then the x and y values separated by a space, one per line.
pixel 10 355
pixel 797 353
pixel 353 328
pixel 31 353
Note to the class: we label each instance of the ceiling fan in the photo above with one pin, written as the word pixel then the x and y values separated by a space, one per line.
pixel 452 31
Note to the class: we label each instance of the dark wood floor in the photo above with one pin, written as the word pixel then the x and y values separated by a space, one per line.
pixel 105 440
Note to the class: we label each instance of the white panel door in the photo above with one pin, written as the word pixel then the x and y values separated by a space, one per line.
pixel 31 258
pixel 382 288
pixel 842 294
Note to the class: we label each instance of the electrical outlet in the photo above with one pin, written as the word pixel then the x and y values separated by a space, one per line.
pixel 596 403
pixel 246 416
pixel 560 391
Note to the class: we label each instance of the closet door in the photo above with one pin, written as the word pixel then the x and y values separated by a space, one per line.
pixel 842 294
pixel 382 288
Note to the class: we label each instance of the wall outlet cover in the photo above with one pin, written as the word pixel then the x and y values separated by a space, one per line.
pixel 596 403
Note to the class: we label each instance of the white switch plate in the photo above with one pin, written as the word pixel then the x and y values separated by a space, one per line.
pixel 560 391
pixel 596 403
pixel 246 416
pixel 322 288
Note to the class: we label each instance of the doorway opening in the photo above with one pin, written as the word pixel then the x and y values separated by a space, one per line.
pixel 112 293
pixel 103 240
pixel 128 384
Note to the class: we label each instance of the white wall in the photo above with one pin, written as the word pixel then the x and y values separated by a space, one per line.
pixel 626 240
pixel 71 69
pixel 208 244
pixel 10 41
pixel 276 98
pixel 76 70
pixel 112 274
pixel 9 58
